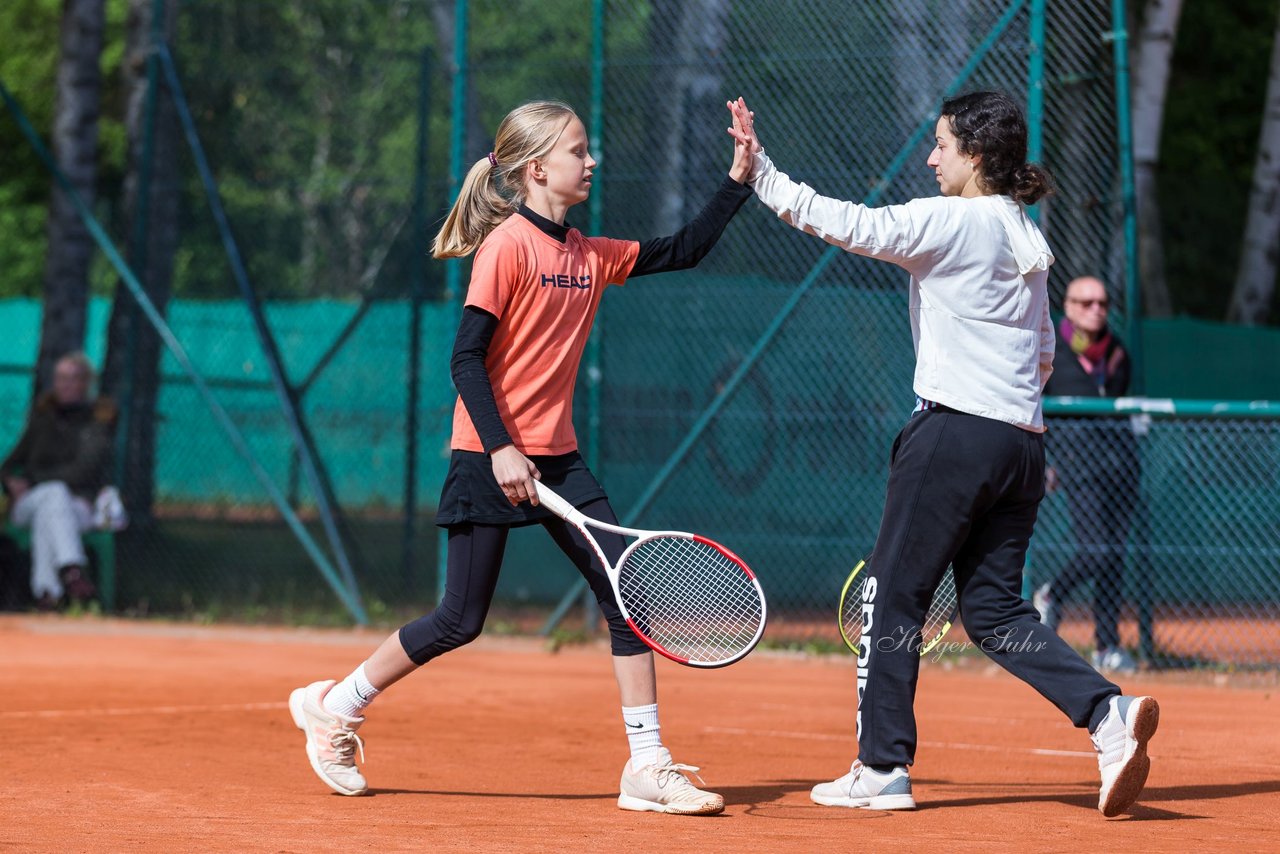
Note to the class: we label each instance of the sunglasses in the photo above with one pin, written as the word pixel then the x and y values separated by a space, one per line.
pixel 1090 303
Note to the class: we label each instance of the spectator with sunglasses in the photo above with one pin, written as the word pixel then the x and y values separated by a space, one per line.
pixel 1096 461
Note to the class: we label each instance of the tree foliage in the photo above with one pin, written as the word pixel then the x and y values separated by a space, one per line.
pixel 307 109
pixel 1209 145
pixel 28 65
pixel 310 132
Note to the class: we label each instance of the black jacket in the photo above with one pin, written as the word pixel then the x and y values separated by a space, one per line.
pixel 71 444
pixel 1100 447
pixel 1070 379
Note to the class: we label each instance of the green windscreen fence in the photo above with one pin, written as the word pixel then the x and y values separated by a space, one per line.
pixel 357 411
pixel 1211 361
pixel 355 408
pixel 311 113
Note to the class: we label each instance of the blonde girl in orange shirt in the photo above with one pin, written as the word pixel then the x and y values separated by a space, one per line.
pixel 535 286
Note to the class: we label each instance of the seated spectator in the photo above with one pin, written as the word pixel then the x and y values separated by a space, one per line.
pixel 55 473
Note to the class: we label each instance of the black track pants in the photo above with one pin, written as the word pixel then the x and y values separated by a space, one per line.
pixel 963 490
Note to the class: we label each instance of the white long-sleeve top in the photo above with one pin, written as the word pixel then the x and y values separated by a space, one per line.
pixel 978 297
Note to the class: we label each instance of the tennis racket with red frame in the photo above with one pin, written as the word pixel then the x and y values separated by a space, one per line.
pixel 689 598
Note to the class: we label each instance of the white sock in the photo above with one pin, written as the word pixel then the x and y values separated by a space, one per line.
pixel 350 696
pixel 642 733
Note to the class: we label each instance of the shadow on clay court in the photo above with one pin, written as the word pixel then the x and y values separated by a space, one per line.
pixel 1085 801
pixel 763 793
pixel 757 794
pixel 1162 794
pixel 436 793
pixel 768 793
pixel 1142 811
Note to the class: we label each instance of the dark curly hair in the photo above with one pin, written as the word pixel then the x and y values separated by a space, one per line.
pixel 991 125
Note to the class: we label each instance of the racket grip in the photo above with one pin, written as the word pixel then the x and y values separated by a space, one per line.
pixel 557 505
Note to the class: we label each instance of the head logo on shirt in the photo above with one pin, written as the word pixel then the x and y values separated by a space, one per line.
pixel 562 280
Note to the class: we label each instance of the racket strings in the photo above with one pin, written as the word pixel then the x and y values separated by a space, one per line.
pixel 941 610
pixel 851 611
pixel 691 599
pixel 937 619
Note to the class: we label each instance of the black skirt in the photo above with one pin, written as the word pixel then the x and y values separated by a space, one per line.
pixel 471 493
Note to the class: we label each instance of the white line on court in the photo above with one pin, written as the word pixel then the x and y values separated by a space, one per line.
pixel 153 710
pixel 819 736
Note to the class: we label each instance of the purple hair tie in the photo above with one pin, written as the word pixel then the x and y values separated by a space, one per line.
pixel 493 161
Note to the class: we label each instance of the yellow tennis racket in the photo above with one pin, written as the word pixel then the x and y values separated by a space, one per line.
pixel 937 622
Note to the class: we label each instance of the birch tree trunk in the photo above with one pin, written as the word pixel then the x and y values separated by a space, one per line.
pixel 693 33
pixel 75 148
pixel 1255 286
pixel 1152 57
pixel 917 83
pixel 478 140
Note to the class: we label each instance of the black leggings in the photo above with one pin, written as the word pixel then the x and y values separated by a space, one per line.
pixel 475 558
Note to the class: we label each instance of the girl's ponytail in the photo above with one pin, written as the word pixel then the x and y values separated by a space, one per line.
pixel 480 208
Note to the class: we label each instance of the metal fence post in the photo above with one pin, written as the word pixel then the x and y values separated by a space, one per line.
pixel 457 170
pixel 1124 134
pixel 1035 93
pixel 594 375
pixel 417 270
pixel 138 238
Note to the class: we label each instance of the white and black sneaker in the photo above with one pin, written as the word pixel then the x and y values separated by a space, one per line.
pixel 1121 741
pixel 1046 606
pixel 866 788
pixel 1114 659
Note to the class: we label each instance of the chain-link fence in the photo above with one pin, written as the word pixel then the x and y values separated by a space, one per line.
pixel 792 470
pixel 753 399
pixel 314 119
pixel 274 211
pixel 1165 528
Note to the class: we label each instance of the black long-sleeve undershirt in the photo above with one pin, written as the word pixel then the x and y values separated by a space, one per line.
pixel 679 251
pixel 471 379
pixel 694 240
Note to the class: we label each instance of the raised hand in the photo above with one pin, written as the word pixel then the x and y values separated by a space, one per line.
pixel 743 130
pixel 743 154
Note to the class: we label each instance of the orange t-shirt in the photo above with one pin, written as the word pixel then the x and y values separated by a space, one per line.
pixel 544 294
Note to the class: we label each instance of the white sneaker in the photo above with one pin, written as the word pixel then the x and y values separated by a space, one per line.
pixel 663 787
pixel 331 739
pixel 1046 606
pixel 865 788
pixel 1114 659
pixel 1121 741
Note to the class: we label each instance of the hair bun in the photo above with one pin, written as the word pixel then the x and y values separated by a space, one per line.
pixel 1031 184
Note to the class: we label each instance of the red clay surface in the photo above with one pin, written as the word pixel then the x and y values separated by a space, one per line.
pixel 156 737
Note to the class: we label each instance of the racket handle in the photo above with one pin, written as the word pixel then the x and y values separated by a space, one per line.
pixel 557 505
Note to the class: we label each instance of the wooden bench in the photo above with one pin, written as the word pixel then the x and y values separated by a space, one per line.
pixel 103 544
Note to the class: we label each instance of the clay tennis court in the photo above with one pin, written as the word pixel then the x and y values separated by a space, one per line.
pixel 164 737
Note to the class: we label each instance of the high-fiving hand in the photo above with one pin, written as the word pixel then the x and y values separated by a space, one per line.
pixel 743 130
pixel 743 156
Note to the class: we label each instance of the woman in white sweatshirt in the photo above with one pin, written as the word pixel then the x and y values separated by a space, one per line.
pixel 967 471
